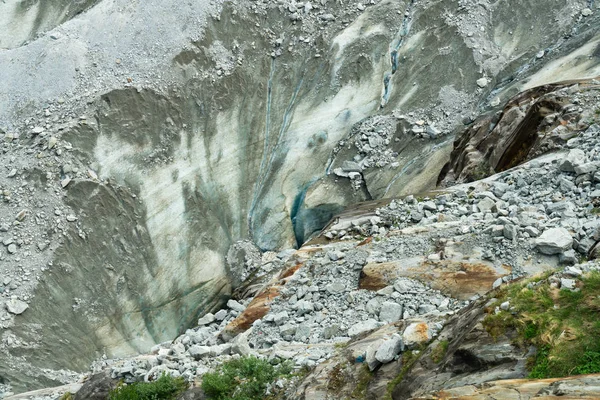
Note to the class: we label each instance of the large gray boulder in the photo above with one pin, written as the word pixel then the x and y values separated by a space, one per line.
pixel 554 241
pixel 389 349
pixel 574 159
pixel 390 312
pixel 363 327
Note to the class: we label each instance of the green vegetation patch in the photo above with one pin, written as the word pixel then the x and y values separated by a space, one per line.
pixel 564 325
pixel 409 358
pixel 164 388
pixel 246 378
pixel 438 353
pixel 364 378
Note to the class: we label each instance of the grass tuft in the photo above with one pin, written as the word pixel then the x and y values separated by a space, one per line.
pixel 409 358
pixel 562 324
pixel 364 378
pixel 439 352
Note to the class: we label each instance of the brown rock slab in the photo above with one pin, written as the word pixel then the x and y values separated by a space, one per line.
pixel 459 279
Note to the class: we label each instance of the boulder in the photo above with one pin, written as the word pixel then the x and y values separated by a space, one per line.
pixel 573 159
pixel 415 334
pixel 97 387
pixel 390 312
pixel 199 352
pixel 371 356
pixel 363 327
pixel 15 306
pixel 554 241
pixel 389 349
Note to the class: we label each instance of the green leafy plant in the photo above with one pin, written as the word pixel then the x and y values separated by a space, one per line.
pixel 246 378
pixel 164 388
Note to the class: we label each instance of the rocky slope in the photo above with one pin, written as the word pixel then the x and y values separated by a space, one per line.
pixel 369 303
pixel 146 170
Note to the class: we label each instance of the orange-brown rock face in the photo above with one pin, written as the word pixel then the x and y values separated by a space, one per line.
pixel 257 309
pixel 460 280
pixel 260 305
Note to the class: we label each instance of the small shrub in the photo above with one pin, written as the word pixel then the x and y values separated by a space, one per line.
pixel 164 388
pixel 67 396
pixel 242 379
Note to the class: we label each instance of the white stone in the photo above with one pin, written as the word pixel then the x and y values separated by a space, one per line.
pixel 567 284
pixel 390 312
pixel 15 306
pixel 415 334
pixel 389 349
pixel 554 241
pixel 363 327
pixel 207 319
pixel 235 306
pixel 572 159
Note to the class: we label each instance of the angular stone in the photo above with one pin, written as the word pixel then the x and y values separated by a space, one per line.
pixel 287 330
pixel 304 307
pixel 567 284
pixel 574 158
pixel 531 231
pixel 554 241
pixel 415 334
pixel 336 287
pixel 510 231
pixel 221 315
pixel 429 206
pixel 15 306
pixel 302 333
pixel 389 349
pixel 373 306
pixel 235 306
pixel 402 285
pixel 351 166
pixel 568 257
pixel 331 331
pixel 280 318
pixel 486 205
pixel 362 327
pixel 370 357
pixel 390 312
pixel 426 308
pixel 588 168
pixel 573 271
pixel 207 319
